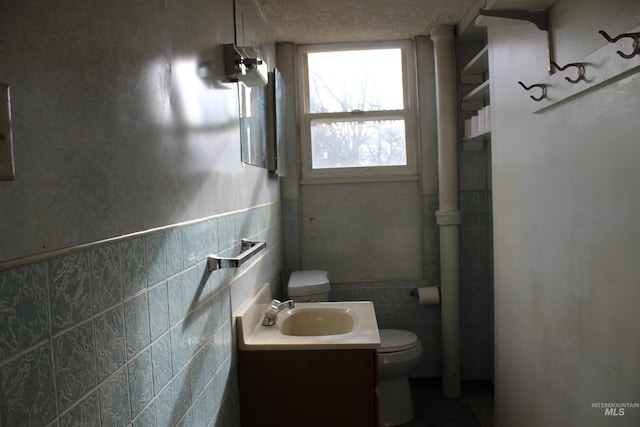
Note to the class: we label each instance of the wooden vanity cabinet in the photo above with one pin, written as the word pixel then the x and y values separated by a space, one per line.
pixel 311 388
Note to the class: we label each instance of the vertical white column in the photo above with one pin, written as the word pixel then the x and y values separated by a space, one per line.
pixel 448 216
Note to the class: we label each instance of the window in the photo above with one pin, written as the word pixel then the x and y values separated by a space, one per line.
pixel 358 118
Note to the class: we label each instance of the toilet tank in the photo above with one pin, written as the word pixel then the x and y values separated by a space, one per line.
pixel 309 286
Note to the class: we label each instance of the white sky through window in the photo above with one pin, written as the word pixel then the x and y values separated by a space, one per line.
pixel 368 80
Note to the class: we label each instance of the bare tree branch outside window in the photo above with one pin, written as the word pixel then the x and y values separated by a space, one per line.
pixel 357 82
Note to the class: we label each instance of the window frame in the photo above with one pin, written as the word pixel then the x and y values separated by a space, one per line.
pixel 408 114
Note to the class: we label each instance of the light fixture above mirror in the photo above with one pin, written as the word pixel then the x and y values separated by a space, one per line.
pixel 243 64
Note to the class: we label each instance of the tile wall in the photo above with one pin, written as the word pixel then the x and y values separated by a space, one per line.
pixel 476 282
pixel 397 309
pixel 133 332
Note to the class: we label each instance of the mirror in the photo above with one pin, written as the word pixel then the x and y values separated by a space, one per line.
pixel 262 123
pixel 277 153
pixel 253 124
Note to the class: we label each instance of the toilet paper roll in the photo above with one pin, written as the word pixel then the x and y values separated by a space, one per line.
pixel 429 295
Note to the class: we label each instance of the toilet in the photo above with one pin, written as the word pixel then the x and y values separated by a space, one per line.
pixel 399 351
pixel 309 286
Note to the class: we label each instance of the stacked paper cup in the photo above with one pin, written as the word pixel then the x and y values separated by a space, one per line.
pixel 484 119
pixel 479 123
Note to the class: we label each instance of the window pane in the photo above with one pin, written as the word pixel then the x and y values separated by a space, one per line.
pixel 348 144
pixel 367 80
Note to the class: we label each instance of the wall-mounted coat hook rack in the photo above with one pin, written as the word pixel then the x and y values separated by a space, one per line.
pixel 540 86
pixel 636 43
pixel 577 65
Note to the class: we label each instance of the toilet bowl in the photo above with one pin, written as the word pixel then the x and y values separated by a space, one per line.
pixel 399 353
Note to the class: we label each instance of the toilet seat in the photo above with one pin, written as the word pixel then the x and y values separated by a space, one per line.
pixel 394 340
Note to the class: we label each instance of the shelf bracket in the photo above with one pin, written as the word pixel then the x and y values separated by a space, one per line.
pixel 539 17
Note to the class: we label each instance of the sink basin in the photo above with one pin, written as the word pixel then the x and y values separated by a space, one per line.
pixel 308 326
pixel 317 321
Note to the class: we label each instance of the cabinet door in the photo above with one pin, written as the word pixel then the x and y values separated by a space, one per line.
pixel 316 388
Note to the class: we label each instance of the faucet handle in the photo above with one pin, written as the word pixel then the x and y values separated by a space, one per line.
pixel 275 303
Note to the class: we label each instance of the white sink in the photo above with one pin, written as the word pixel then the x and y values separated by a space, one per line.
pixel 317 321
pixel 308 326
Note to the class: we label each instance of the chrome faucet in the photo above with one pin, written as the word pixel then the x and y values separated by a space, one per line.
pixel 275 308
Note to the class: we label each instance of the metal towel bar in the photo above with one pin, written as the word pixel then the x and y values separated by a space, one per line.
pixel 249 249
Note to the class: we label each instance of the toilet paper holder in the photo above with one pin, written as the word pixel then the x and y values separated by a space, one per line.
pixel 429 297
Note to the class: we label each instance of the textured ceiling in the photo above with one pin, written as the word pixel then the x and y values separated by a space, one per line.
pixel 324 21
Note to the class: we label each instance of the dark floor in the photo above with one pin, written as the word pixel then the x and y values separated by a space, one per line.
pixel 473 409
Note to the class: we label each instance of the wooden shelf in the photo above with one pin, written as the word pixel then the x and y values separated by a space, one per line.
pixel 476 73
pixel 479 64
pixel 479 94
pixel 519 4
pixel 476 142
pixel 482 136
pixel 466 28
pixel 502 5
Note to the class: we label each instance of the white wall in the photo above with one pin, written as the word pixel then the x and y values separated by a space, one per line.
pixel 115 133
pixel 566 237
pixel 363 232
pixel 113 130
